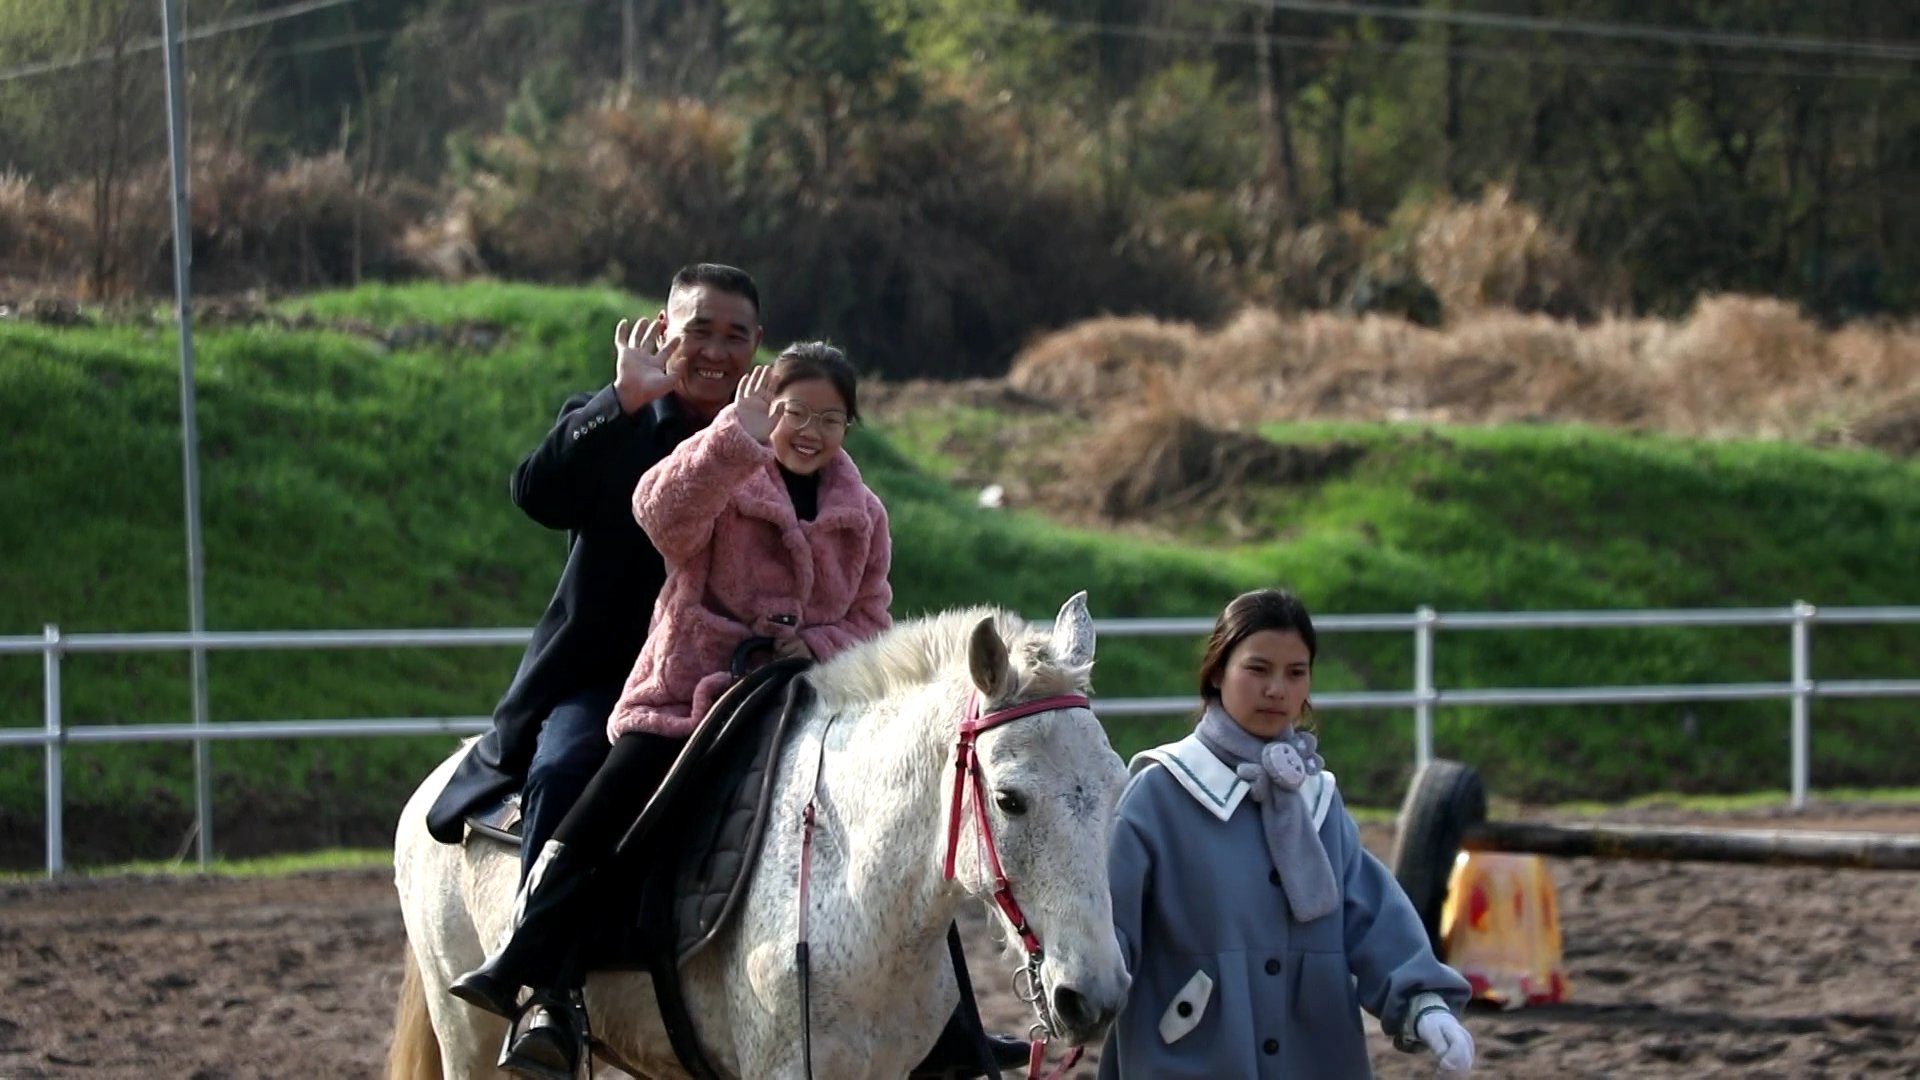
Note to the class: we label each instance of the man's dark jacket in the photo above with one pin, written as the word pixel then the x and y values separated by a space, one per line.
pixel 581 479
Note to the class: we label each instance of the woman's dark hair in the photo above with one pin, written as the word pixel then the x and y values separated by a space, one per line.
pixel 1246 615
pixel 805 360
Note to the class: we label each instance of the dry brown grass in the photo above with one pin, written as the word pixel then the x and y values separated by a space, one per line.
pixel 1496 252
pixel 306 223
pixel 1314 266
pixel 1103 360
pixel 1735 366
pixel 40 239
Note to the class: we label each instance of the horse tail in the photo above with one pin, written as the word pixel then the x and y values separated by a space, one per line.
pixel 415 1053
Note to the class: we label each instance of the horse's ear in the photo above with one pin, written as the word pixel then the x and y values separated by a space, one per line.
pixel 987 660
pixel 1073 632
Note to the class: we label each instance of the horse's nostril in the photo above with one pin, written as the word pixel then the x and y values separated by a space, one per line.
pixel 1072 1008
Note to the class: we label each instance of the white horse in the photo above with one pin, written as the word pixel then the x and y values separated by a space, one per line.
pixel 888 713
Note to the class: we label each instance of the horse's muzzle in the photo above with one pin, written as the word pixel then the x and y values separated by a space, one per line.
pixel 1084 1019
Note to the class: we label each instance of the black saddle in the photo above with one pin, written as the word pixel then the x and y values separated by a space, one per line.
pixel 716 795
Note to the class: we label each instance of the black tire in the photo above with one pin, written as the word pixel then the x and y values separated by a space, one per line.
pixel 1445 798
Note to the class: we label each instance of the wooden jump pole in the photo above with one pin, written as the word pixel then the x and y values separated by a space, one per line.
pixel 1768 847
pixel 1445 813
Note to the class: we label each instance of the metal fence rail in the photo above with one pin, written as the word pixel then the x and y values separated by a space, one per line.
pixel 1424 697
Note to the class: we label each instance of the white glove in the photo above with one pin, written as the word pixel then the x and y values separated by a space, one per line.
pixel 1448 1040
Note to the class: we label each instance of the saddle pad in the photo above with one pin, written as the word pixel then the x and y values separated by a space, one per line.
pixel 721 821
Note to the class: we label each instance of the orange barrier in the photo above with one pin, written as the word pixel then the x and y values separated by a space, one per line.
pixel 1501 928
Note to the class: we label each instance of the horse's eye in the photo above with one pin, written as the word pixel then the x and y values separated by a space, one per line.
pixel 1010 803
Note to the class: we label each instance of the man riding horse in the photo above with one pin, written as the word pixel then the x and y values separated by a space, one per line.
pixel 549 737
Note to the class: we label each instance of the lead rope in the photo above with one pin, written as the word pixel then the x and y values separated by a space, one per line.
pixel 586 1032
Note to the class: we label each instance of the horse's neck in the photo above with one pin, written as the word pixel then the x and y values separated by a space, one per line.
pixel 888 778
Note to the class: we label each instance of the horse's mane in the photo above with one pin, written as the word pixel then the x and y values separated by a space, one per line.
pixel 921 650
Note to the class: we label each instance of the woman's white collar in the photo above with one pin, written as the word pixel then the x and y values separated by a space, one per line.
pixel 1213 783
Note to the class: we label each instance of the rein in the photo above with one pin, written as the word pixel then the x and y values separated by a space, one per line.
pixel 967 775
pixel 800 949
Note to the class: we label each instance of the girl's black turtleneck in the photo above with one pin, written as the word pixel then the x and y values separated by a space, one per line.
pixel 804 491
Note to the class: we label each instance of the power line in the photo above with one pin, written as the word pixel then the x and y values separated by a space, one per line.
pixel 1481 55
pixel 212 29
pixel 1671 35
pixel 365 37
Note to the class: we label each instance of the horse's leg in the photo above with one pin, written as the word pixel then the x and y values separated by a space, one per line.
pixel 470 1039
pixel 472 898
pixel 434 882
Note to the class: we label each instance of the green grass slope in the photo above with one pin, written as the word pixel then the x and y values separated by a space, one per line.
pixel 351 484
pixel 1553 518
pixel 355 476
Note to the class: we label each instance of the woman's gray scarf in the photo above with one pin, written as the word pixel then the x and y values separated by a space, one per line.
pixel 1276 770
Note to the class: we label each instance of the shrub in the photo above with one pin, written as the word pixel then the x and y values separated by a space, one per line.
pixel 1497 252
pixel 622 194
pixel 40 239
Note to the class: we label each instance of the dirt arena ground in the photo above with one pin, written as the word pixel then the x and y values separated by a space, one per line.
pixel 1676 971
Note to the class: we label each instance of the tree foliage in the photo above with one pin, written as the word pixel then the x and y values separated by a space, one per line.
pixel 1228 152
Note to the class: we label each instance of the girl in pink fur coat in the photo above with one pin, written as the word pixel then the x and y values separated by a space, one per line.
pixel 767 531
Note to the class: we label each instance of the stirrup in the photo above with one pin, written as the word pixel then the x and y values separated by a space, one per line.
pixel 547 1051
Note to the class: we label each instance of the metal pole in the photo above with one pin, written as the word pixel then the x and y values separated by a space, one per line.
pixel 1802 697
pixel 189 432
pixel 629 48
pixel 1424 620
pixel 56 853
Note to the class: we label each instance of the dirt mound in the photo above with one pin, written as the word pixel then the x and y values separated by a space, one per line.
pixel 1895 428
pixel 1149 461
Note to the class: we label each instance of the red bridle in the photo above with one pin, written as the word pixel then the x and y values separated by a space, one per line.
pixel 966 773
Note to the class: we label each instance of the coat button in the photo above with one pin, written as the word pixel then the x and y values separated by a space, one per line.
pixel 1185 1008
pixel 1271 1046
pixel 1273 967
pixel 1273 877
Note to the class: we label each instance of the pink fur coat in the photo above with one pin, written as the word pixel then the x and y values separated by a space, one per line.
pixel 737 556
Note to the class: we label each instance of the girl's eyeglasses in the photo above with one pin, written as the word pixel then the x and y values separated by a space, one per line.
pixel 832 421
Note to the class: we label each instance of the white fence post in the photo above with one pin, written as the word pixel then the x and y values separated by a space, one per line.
pixel 1802 628
pixel 1423 627
pixel 56 857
